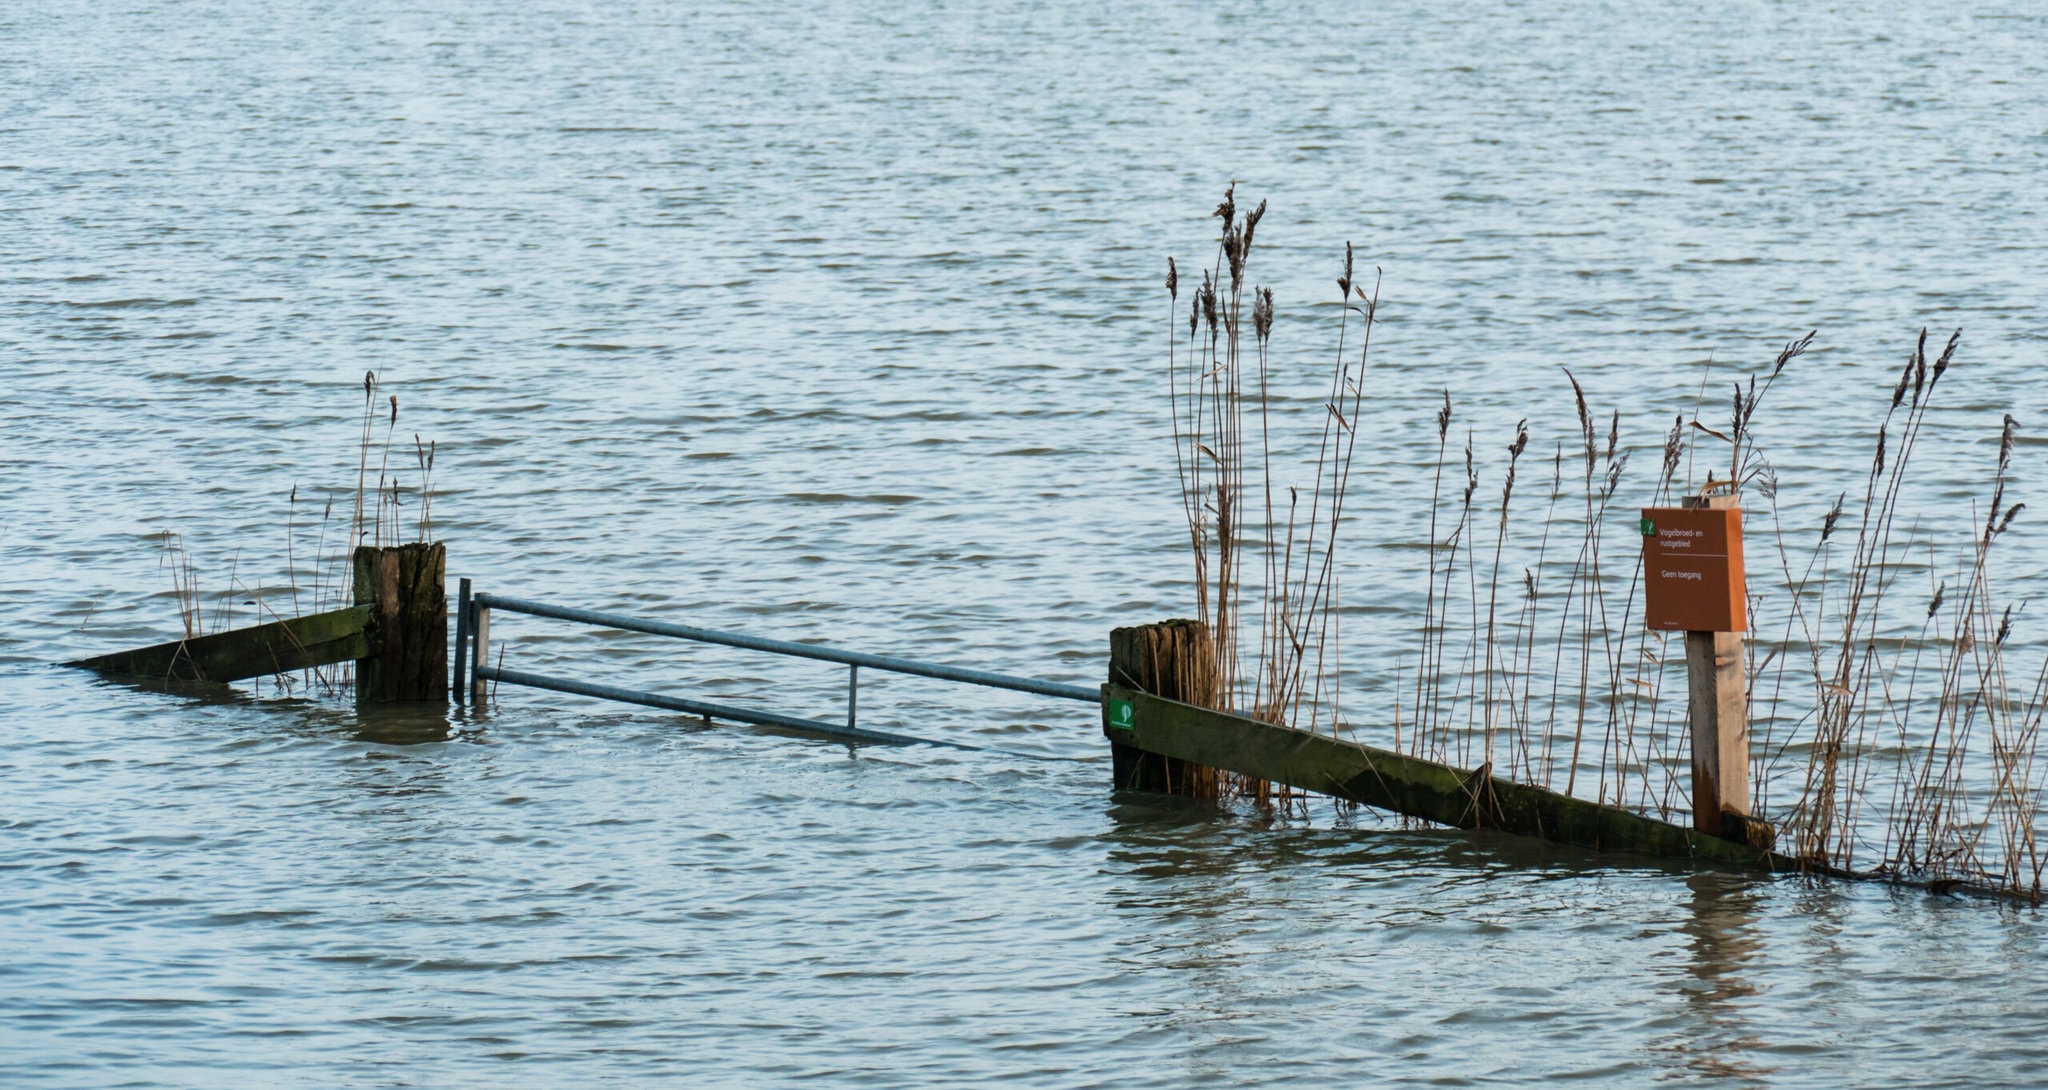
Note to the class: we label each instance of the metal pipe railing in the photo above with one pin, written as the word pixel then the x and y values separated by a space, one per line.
pixel 703 708
pixel 778 647
pixel 463 613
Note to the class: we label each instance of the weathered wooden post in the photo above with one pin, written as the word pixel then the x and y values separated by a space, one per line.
pixel 479 652
pixel 405 586
pixel 1175 660
pixel 1693 582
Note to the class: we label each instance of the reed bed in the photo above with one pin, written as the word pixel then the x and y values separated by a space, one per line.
pixel 1890 732
pixel 378 516
pixel 1220 399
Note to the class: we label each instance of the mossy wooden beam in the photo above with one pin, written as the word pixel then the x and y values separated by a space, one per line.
pixel 1396 782
pixel 276 648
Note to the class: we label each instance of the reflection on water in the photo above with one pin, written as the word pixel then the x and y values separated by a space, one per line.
pixel 405 724
pixel 197 692
pixel 1719 923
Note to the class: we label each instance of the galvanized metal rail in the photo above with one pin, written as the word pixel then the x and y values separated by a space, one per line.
pixel 702 707
pixel 472 635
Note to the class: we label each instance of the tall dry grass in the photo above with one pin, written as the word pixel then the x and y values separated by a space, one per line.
pixel 379 517
pixel 1883 742
pixel 1220 392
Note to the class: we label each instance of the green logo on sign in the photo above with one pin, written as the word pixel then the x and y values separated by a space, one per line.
pixel 1649 528
pixel 1122 716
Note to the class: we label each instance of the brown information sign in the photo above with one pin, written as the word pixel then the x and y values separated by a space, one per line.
pixel 1692 569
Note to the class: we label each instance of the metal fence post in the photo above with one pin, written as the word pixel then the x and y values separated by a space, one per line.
pixel 461 644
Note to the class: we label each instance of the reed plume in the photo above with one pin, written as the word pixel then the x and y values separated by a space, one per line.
pixel 1910 748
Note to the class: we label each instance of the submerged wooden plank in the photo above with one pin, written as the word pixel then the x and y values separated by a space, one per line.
pixel 279 647
pixel 1386 780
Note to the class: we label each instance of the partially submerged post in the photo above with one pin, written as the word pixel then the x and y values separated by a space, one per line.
pixel 405 586
pixel 1693 582
pixel 479 651
pixel 396 633
pixel 463 610
pixel 1175 660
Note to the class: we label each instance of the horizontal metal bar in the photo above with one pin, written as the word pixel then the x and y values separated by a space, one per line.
pixel 800 650
pixel 702 708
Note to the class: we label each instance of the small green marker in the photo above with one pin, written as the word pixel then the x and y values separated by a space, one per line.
pixel 1648 528
pixel 1122 716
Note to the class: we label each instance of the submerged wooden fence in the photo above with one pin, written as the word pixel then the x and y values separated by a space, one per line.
pixel 1161 735
pixel 396 635
pixel 1171 746
pixel 279 647
pixel 1401 784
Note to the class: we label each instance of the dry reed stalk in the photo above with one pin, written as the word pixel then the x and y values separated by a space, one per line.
pixel 384 482
pixel 1574 586
pixel 291 560
pixel 1819 823
pixel 365 522
pixel 1315 598
pixel 1441 741
pixel 357 530
pixel 1525 635
pixel 1211 465
pixel 1427 676
pixel 1524 648
pixel 1466 664
pixel 1960 800
pixel 184 588
pixel 425 457
pixel 1938 832
pixel 1491 667
pixel 1638 695
pixel 1283 672
pixel 1966 796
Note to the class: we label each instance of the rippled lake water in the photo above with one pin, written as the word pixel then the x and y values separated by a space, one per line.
pixel 844 323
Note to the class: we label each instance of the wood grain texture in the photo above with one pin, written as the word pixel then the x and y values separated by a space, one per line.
pixel 405 586
pixel 276 648
pixel 1396 782
pixel 1717 711
pixel 1175 660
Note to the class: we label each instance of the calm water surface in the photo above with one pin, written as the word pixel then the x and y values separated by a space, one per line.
pixel 844 323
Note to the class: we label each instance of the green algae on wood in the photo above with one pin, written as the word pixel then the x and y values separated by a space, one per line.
pixel 279 647
pixel 1385 780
